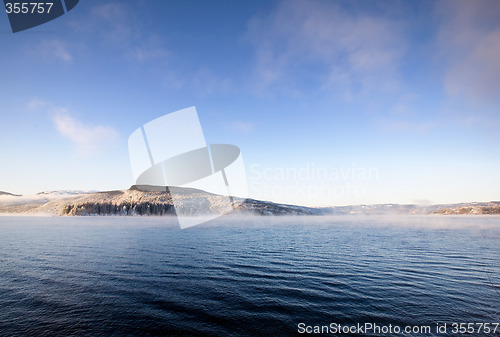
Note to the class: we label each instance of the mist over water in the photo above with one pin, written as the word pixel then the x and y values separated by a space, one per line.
pixel 244 276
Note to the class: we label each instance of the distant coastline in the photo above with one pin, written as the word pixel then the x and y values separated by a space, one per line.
pixel 10 194
pixel 136 202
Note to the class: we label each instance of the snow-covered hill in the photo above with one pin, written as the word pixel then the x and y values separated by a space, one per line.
pixel 139 202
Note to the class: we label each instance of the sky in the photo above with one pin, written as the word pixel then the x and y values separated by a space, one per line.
pixel 330 102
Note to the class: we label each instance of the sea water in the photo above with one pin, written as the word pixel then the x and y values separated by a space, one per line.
pixel 254 276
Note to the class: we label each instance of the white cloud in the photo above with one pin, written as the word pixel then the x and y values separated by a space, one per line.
pixel 351 52
pixel 87 138
pixel 56 49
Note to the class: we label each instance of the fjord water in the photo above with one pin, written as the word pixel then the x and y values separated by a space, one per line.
pixel 142 276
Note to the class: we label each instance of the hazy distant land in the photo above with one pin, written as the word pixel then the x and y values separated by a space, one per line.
pixel 7 193
pixel 139 202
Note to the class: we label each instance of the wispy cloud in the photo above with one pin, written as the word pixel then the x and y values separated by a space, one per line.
pixel 87 138
pixel 151 49
pixel 110 20
pixel 241 127
pixel 110 11
pixel 321 41
pixel 404 105
pixel 469 40
pixel 202 81
pixel 114 21
pixel 55 49
pixel 403 126
pixel 115 25
pixel 36 104
pixel 143 54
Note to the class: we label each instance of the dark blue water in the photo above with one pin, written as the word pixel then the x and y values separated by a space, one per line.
pixel 116 276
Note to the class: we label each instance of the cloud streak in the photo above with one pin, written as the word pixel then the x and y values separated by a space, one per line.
pixel 115 25
pixel 36 104
pixel 469 40
pixel 241 127
pixel 56 49
pixel 87 138
pixel 335 47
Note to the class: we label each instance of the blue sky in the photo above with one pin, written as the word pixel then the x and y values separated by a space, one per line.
pixel 331 102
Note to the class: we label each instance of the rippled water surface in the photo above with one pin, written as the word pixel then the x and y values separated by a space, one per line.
pixel 116 276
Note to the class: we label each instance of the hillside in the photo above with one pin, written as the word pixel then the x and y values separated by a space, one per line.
pixel 154 202
pixel 492 207
pixel 473 208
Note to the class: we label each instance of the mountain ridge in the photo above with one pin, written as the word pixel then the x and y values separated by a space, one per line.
pixel 8 193
pixel 158 201
pixel 134 201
